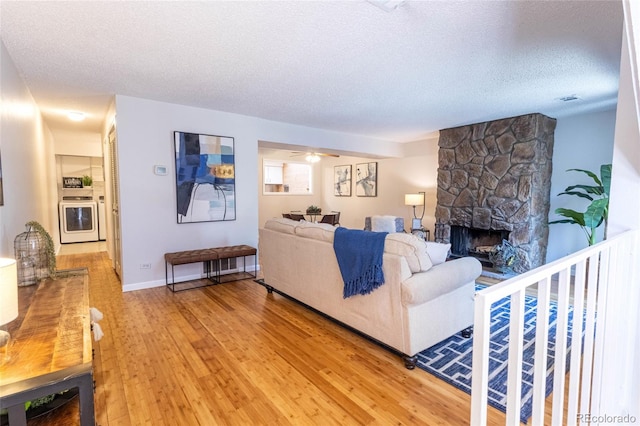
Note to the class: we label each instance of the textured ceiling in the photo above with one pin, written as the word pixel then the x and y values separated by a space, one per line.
pixel 346 66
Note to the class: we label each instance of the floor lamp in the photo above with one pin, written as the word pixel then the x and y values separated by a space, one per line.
pixel 415 200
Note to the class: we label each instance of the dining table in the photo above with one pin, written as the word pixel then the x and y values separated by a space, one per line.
pixel 313 217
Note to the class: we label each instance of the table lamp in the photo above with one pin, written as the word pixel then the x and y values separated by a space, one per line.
pixel 8 295
pixel 415 200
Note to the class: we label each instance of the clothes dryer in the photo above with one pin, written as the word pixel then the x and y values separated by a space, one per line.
pixel 78 220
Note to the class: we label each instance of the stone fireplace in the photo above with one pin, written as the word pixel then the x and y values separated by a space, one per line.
pixel 494 181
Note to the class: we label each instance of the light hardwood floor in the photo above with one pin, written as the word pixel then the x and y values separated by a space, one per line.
pixel 79 248
pixel 233 354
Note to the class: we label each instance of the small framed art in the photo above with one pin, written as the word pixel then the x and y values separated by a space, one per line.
pixel 342 181
pixel 367 179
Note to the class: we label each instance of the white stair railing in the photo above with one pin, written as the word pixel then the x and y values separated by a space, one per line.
pixel 584 291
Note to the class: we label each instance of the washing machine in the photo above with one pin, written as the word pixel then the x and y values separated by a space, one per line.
pixel 78 219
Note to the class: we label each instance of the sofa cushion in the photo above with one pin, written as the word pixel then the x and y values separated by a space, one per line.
pixel 286 226
pixel 399 224
pixel 438 252
pixel 383 224
pixel 411 248
pixel 317 231
pixel 440 280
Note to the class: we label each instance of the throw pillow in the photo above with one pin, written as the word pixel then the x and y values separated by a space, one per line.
pixel 438 252
pixel 411 248
pixel 383 224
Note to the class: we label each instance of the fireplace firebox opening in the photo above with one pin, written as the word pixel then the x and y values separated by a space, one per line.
pixel 478 243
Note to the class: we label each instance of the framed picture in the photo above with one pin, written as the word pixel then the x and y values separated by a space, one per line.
pixel 205 177
pixel 367 180
pixel 71 182
pixel 342 181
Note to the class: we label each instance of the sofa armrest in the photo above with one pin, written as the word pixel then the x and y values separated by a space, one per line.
pixel 441 279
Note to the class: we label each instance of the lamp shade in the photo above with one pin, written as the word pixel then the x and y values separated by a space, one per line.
pixel 8 290
pixel 414 199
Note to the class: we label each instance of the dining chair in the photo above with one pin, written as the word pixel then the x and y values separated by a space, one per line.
pixel 337 219
pixel 333 218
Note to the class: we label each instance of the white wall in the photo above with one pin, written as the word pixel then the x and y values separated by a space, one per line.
pixel 28 162
pixel 620 389
pixel 86 144
pixel 148 202
pixel 415 171
pixel 396 177
pixel 583 141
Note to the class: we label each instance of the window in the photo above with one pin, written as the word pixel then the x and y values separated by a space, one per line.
pixel 286 177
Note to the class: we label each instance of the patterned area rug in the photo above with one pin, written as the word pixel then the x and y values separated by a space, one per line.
pixel 451 359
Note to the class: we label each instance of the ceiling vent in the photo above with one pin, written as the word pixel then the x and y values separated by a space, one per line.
pixel 569 98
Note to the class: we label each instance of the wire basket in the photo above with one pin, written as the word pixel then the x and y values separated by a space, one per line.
pixel 31 257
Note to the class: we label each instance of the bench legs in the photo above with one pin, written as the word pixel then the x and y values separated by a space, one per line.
pixel 245 274
pixel 208 269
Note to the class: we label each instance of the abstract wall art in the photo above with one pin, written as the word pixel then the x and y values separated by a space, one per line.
pixel 342 181
pixel 367 179
pixel 205 177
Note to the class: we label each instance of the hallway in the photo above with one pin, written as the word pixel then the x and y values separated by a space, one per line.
pixel 79 248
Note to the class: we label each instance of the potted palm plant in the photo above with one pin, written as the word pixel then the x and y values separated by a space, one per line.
pixel 597 211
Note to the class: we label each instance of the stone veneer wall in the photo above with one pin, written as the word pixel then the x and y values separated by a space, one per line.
pixel 497 176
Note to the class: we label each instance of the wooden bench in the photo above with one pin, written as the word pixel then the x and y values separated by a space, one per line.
pixel 206 256
pixel 210 259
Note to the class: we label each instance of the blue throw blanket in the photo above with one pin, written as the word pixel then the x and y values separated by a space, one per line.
pixel 359 255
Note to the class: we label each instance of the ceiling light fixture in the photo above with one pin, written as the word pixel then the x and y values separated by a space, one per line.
pixel 312 158
pixel 76 115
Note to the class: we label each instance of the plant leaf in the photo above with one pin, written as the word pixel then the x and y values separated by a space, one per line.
pixel 589 173
pixel 563 221
pixel 605 174
pixel 594 216
pixel 579 194
pixel 577 217
pixel 589 189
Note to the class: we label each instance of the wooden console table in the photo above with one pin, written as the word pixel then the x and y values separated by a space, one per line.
pixel 50 348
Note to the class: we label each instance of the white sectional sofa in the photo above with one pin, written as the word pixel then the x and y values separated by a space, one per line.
pixel 423 301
